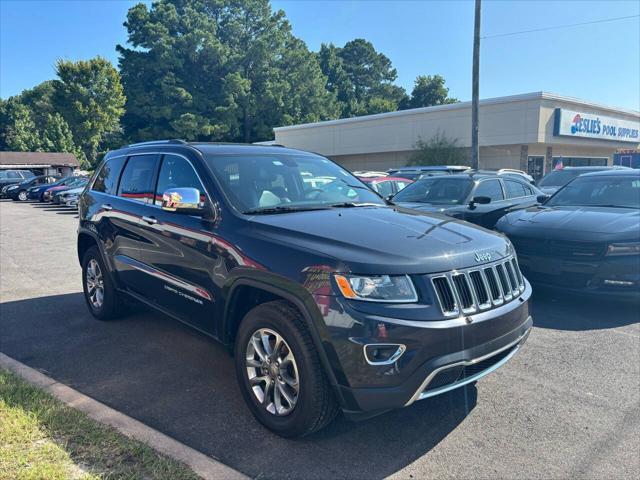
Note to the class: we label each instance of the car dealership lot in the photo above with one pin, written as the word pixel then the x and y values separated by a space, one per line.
pixel 567 405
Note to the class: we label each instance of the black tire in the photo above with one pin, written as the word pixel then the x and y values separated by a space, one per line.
pixel 21 196
pixel 316 405
pixel 111 306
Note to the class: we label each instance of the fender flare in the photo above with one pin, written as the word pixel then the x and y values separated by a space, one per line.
pixel 306 315
pixel 105 258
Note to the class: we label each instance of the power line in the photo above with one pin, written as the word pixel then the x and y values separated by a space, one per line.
pixel 603 20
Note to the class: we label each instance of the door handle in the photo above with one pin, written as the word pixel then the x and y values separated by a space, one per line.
pixel 150 220
pixel 106 206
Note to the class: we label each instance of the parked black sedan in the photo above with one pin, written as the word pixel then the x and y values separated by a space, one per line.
pixel 556 179
pixel 20 192
pixel 586 238
pixel 480 198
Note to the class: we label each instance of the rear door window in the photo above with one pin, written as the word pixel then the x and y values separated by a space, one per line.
pixel 107 179
pixel 491 189
pixel 136 182
pixel 515 189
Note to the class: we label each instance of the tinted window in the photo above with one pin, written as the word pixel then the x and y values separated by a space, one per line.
pixel 515 189
pixel 14 175
pixel 443 190
pixel 384 188
pixel 136 182
pixel 623 191
pixel 491 189
pixel 176 172
pixel 558 178
pixel 107 179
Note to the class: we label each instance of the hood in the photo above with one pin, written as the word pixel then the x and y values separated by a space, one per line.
pixel 383 239
pixel 591 223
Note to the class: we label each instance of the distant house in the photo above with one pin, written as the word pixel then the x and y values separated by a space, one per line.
pixel 40 163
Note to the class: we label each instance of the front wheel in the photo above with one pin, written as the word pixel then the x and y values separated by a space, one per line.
pixel 279 371
pixel 23 196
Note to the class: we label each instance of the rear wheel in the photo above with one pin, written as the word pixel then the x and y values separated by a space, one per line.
pixel 102 298
pixel 279 371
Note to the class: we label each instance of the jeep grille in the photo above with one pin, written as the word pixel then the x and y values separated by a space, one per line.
pixel 476 289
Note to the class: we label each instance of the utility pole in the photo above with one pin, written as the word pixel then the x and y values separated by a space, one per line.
pixel 475 87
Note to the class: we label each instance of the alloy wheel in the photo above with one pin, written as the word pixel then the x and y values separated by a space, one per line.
pixel 22 196
pixel 272 372
pixel 95 284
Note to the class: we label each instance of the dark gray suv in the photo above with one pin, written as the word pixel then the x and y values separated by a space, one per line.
pixel 328 297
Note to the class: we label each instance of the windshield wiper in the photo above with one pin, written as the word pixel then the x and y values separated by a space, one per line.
pixel 354 204
pixel 280 209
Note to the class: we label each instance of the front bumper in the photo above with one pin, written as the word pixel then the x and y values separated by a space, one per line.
pixel 615 276
pixel 439 355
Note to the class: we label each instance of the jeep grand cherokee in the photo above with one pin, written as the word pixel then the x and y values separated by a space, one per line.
pixel 328 297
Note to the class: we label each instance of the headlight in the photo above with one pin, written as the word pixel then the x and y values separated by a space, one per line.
pixel 12 187
pixel 378 288
pixel 624 249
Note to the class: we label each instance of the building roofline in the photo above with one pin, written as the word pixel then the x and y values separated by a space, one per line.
pixel 462 105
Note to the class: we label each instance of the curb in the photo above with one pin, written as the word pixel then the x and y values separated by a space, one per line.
pixel 201 464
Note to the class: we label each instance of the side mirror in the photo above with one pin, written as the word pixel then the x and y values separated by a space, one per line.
pixel 389 197
pixel 183 200
pixel 543 198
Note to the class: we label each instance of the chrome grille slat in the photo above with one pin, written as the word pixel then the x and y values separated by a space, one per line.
pixel 471 290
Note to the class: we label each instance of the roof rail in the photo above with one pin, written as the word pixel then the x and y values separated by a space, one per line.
pixel 176 141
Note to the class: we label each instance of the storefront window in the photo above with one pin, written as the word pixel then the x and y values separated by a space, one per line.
pixel 580 161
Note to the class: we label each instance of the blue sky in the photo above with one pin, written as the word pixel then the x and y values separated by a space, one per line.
pixel 598 62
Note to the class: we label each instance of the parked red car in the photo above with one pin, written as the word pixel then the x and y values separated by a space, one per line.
pixel 386 186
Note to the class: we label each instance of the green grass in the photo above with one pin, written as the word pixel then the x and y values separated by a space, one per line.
pixel 41 438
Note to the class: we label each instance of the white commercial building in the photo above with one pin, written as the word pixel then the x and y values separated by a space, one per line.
pixel 529 132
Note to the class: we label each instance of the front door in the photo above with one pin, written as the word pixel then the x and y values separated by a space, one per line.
pixel 488 214
pixel 181 251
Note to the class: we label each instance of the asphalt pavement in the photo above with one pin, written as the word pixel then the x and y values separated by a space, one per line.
pixel 566 406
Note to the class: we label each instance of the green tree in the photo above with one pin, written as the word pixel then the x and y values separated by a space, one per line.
pixel 57 137
pixel 361 78
pixel 89 96
pixel 224 70
pixel 428 90
pixel 40 102
pixel 20 133
pixel 439 150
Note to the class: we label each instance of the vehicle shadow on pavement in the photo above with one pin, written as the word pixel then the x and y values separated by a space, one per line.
pixel 566 311
pixel 178 381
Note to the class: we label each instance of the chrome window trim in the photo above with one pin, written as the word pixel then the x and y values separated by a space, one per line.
pixel 159 165
pixel 420 394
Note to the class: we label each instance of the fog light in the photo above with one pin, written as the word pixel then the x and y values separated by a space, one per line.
pixel 619 283
pixel 383 353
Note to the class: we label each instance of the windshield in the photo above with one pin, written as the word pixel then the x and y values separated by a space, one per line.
pixel 605 191
pixel 558 178
pixel 285 182
pixel 447 190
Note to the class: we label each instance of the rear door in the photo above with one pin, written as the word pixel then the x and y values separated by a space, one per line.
pixel 519 194
pixel 123 198
pixel 181 251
